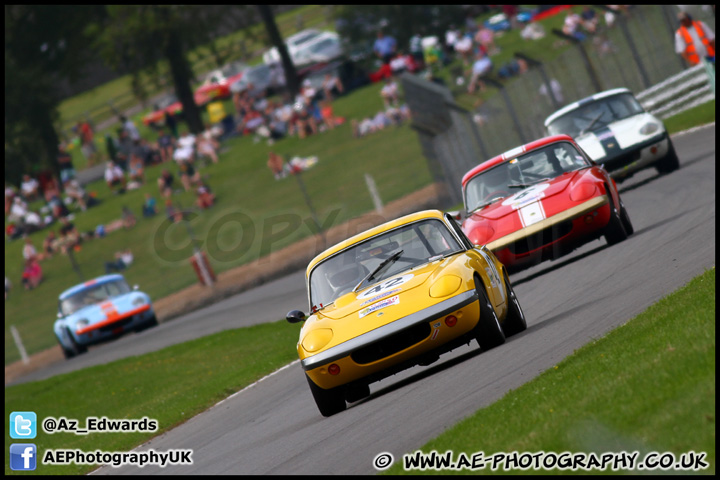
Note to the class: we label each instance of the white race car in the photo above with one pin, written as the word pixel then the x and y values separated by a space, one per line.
pixel 617 133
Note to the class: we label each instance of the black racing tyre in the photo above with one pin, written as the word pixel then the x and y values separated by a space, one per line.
pixel 330 401
pixel 68 353
pixel 670 162
pixel 355 393
pixel 625 218
pixel 75 347
pixel 153 322
pixel 614 231
pixel 515 320
pixel 488 332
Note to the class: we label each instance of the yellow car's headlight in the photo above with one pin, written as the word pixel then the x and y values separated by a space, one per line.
pixel 444 286
pixel 317 339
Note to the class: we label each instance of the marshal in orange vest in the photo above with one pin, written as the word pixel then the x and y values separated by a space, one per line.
pixel 690 53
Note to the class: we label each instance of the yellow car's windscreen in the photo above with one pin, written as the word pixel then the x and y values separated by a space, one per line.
pixel 401 249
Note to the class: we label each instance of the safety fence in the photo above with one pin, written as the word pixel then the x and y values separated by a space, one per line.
pixel 680 92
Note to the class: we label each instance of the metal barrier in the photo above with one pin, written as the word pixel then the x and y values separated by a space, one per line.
pixel 679 92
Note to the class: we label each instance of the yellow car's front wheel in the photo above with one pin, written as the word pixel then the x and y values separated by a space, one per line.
pixel 330 401
pixel 488 331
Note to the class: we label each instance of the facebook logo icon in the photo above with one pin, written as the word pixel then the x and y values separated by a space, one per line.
pixel 23 456
pixel 23 425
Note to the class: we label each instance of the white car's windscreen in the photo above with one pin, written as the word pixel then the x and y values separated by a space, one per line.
pixel 508 178
pixel 595 115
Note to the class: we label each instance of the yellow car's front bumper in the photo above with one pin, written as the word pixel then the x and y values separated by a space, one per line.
pixel 394 343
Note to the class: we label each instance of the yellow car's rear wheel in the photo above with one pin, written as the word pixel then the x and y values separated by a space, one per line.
pixel 488 331
pixel 330 401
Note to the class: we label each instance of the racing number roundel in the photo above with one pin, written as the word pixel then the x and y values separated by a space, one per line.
pixel 528 195
pixel 385 286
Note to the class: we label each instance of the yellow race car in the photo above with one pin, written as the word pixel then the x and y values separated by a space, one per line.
pixel 396 296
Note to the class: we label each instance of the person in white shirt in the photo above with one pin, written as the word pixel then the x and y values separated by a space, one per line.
pixel 18 210
pixel 114 176
pixel 187 140
pixel 122 261
pixel 29 188
pixel 464 48
pixel 451 36
pixel 389 92
pixel 29 252
pixel 332 85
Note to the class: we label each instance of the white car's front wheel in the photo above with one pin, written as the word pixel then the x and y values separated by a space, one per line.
pixel 670 162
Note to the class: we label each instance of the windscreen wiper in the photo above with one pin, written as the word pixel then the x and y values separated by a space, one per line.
pixel 586 129
pixel 387 262
pixel 525 185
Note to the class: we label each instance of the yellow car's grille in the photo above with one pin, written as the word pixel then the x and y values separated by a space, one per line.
pixel 390 345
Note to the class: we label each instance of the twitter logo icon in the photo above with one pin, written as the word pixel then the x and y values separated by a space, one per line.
pixel 23 425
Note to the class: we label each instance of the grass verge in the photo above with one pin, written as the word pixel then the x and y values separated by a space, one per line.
pixel 647 386
pixel 171 386
pixel 692 117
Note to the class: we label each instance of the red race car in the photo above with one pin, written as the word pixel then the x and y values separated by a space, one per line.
pixel 541 201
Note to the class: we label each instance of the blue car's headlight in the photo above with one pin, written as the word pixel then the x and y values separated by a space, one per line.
pixel 83 322
pixel 139 301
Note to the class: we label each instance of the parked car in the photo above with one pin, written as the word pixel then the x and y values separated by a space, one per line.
pixel 98 310
pixel 617 133
pixel 295 45
pixel 167 104
pixel 260 79
pixel 540 201
pixel 398 295
pixel 217 83
pixel 324 48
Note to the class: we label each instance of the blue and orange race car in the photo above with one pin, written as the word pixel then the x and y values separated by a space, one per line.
pixel 98 310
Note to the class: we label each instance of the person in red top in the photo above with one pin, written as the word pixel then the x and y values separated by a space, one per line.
pixel 694 40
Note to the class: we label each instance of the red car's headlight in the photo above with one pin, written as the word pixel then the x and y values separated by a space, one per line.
pixel 481 234
pixel 583 192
